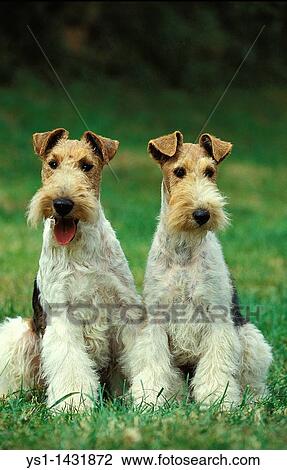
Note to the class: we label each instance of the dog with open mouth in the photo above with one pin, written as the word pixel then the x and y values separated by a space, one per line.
pixel 84 293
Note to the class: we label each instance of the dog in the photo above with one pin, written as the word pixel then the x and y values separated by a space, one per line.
pixel 84 298
pixel 188 290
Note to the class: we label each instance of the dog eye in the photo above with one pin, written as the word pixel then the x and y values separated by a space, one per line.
pixel 209 172
pixel 180 172
pixel 86 167
pixel 53 164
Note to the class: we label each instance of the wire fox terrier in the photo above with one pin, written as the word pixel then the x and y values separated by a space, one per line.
pixel 188 290
pixel 83 284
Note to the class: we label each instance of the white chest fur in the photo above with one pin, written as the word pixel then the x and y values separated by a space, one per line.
pixel 93 271
pixel 188 285
pixel 83 288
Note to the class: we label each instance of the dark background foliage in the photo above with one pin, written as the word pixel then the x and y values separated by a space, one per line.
pixel 179 44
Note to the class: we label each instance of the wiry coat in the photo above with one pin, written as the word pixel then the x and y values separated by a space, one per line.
pixel 189 292
pixel 86 309
pixel 86 289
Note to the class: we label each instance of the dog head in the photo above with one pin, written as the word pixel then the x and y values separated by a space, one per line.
pixel 71 176
pixel 194 202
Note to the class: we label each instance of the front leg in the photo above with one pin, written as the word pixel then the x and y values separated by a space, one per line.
pixel 217 372
pixel 148 365
pixel 67 367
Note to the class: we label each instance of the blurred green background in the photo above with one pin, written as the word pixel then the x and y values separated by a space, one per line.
pixel 136 70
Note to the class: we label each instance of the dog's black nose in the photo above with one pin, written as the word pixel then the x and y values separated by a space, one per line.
pixel 201 216
pixel 63 206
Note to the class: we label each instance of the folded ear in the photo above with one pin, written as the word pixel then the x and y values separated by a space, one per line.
pixel 216 148
pixel 103 147
pixel 165 147
pixel 43 142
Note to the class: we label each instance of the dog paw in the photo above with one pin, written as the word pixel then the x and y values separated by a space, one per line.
pixel 154 397
pixel 147 396
pixel 225 399
pixel 70 402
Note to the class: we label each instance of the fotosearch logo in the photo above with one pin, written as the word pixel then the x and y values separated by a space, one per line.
pixel 135 314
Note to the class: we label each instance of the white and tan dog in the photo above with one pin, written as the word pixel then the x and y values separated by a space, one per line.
pixel 188 290
pixel 84 294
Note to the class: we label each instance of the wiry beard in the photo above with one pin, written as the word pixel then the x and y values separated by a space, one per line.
pixel 186 198
pixel 85 201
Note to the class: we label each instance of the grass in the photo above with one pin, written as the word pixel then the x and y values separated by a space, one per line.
pixel 254 178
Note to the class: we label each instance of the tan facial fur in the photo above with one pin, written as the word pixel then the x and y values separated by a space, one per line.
pixel 189 180
pixel 70 169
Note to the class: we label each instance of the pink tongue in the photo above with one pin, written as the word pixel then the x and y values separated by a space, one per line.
pixel 65 230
